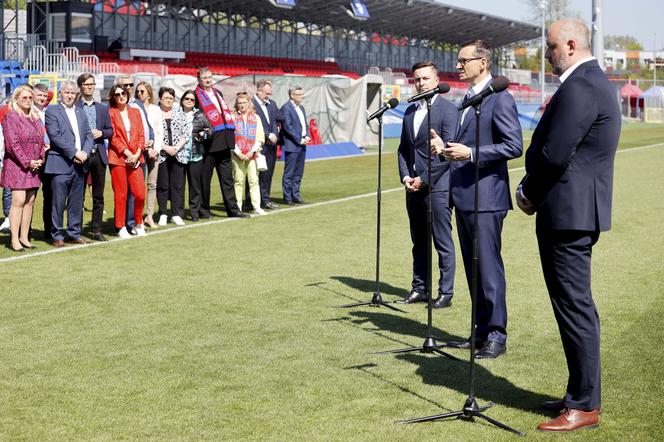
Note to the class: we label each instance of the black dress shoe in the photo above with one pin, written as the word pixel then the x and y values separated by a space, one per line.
pixel 240 215
pixel 271 205
pixel 442 301
pixel 288 203
pixel 299 201
pixel 413 298
pixel 205 216
pixel 556 406
pixel 491 350
pixel 98 236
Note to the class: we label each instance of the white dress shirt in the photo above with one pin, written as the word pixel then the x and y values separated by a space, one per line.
pixel 420 114
pixel 71 115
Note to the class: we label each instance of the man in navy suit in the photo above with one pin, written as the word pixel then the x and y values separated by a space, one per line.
pixel 296 136
pixel 270 116
pixel 412 156
pixel 71 145
pixel 569 183
pixel 500 141
pixel 100 126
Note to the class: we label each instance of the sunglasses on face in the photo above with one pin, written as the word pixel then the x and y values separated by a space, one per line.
pixel 141 91
pixel 127 85
pixel 120 94
pixel 188 99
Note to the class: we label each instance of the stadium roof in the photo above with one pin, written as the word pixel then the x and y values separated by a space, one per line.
pixel 422 19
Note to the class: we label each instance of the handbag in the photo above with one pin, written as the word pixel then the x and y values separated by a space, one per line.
pixel 261 162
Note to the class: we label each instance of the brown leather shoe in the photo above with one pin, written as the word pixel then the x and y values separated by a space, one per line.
pixel 571 420
pixel 79 241
pixel 58 243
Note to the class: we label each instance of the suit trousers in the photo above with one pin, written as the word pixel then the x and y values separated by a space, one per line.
pixel 246 171
pixel 221 162
pixel 293 171
pixel 491 311
pixel 265 177
pixel 47 194
pixel 97 173
pixel 565 257
pixel 152 172
pixel 67 194
pixel 122 179
pixel 170 186
pixel 417 207
pixel 131 204
pixel 195 184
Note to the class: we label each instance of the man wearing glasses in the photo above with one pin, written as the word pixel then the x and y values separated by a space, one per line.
pixel 296 137
pixel 500 140
pixel 127 83
pixel 100 125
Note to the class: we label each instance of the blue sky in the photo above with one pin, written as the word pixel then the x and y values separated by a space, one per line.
pixel 638 18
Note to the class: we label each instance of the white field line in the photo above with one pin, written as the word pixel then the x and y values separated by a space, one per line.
pixel 198 224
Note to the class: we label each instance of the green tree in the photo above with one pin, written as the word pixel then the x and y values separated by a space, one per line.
pixel 554 10
pixel 625 42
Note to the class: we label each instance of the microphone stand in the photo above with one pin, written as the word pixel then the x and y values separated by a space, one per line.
pixel 430 344
pixel 377 299
pixel 471 408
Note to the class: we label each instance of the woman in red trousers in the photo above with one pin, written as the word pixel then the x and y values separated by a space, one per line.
pixel 124 159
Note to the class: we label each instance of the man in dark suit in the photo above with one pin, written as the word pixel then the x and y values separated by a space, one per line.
pixel 569 183
pixel 413 171
pixel 270 116
pixel 100 126
pixel 500 141
pixel 71 143
pixel 296 136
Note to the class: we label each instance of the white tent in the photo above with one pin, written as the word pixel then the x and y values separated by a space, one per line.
pixel 653 104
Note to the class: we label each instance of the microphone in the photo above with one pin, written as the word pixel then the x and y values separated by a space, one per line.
pixel 442 88
pixel 498 84
pixel 391 104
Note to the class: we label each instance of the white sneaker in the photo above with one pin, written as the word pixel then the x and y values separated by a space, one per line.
pixel 4 227
pixel 140 230
pixel 163 220
pixel 123 234
pixel 259 211
pixel 177 220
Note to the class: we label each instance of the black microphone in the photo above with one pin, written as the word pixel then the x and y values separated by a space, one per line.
pixel 442 88
pixel 391 104
pixel 498 84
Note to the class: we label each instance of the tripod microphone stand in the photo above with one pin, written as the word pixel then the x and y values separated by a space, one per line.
pixel 471 408
pixel 430 344
pixel 377 299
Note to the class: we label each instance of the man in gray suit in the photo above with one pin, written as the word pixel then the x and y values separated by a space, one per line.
pixel 71 143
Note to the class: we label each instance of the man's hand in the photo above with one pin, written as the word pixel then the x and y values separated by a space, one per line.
pixel 272 138
pixel 96 133
pixel 80 157
pixel 413 184
pixel 456 152
pixel 524 204
pixel 437 143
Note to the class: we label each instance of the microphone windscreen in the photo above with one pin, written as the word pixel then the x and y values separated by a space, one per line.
pixel 392 103
pixel 443 88
pixel 499 84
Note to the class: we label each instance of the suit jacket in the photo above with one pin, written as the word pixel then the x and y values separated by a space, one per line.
pixel 119 142
pixel 500 140
pixel 275 116
pixel 412 152
pixel 60 157
pixel 569 165
pixel 104 125
pixel 292 128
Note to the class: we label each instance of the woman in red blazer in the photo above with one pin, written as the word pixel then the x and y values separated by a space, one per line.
pixel 125 150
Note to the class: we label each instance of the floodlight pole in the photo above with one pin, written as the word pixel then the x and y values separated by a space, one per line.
pixel 542 77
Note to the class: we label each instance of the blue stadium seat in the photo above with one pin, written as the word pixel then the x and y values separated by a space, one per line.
pixel 24 73
pixel 15 65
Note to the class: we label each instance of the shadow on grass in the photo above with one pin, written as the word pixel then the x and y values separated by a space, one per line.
pixel 369 286
pixel 453 375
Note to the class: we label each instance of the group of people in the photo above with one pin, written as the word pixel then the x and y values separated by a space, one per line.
pixel 568 184
pixel 151 146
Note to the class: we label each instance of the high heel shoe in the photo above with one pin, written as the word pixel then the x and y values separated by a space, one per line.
pixel 20 249
pixel 150 222
pixel 27 246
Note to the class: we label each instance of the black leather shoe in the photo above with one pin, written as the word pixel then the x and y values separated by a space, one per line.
pixel 240 215
pixel 556 406
pixel 271 205
pixel 299 201
pixel 288 203
pixel 465 344
pixel 442 301
pixel 98 236
pixel 413 298
pixel 491 350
